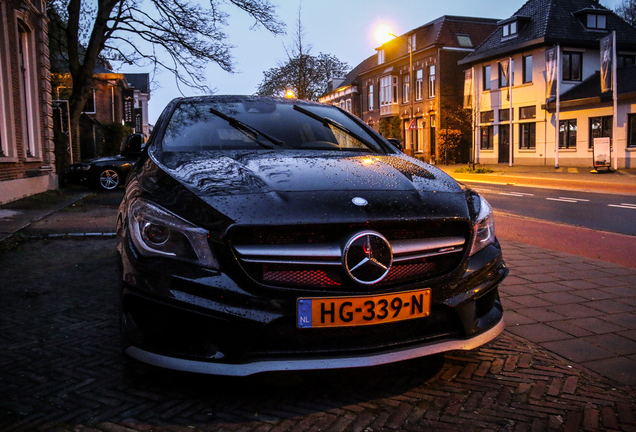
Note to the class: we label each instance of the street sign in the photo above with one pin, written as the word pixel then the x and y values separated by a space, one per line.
pixel 412 125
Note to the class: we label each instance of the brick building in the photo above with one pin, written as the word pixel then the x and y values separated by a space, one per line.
pixel 380 87
pixel 115 98
pixel 27 158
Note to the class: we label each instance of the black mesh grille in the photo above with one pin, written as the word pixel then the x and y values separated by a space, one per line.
pixel 335 276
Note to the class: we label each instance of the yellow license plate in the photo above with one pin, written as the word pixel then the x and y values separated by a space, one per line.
pixel 362 310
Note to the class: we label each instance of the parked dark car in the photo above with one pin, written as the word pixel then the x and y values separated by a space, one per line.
pixel 263 234
pixel 107 172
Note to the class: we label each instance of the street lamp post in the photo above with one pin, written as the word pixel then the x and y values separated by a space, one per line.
pixel 411 83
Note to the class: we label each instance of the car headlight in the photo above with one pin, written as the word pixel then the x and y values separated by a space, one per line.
pixel 484 227
pixel 157 232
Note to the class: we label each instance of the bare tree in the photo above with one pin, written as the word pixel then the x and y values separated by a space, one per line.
pixel 304 74
pixel 180 36
pixel 627 11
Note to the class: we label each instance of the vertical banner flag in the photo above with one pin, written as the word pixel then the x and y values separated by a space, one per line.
pixel 468 88
pixel 606 62
pixel 551 72
pixel 505 70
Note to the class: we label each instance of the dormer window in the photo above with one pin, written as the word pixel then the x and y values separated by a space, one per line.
pixel 380 56
pixel 595 21
pixel 510 29
pixel 512 26
pixel 593 18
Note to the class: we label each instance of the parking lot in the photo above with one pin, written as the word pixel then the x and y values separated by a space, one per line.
pixel 61 368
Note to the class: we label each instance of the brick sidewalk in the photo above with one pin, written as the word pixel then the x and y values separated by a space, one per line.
pixel 579 308
pixel 61 368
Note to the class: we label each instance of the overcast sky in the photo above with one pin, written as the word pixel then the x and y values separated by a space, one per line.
pixel 344 28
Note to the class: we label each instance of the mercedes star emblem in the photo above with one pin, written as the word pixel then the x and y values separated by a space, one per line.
pixel 368 257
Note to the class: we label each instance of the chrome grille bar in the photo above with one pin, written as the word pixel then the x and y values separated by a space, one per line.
pixel 331 254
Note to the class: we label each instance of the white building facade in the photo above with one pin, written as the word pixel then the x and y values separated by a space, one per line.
pixel 572 31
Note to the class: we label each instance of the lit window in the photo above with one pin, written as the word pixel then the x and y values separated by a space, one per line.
pixel 371 107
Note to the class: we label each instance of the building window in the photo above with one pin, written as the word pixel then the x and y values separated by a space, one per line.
pixel 567 134
pixel 572 66
pixel 370 95
pixel 388 90
pixel 504 115
pixel 464 41
pixel 626 60
pixel 631 130
pixel 527 136
pixel 503 82
pixel 412 41
pixel 526 113
pixel 89 106
pixel 486 142
pixel 510 29
pixel 28 84
pixel 380 56
pixel 486 75
pixel 596 21
pixel 527 69
pixel 406 88
pixel 600 127
pixel 419 76
pixel 431 81
pixel 487 117
pixel 348 105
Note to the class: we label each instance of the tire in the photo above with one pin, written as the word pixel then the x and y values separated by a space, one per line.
pixel 108 179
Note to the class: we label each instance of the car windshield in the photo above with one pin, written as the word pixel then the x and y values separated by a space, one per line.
pixel 248 124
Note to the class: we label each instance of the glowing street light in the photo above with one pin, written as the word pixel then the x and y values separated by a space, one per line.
pixel 290 94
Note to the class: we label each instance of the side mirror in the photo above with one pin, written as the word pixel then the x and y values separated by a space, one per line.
pixel 132 145
pixel 396 142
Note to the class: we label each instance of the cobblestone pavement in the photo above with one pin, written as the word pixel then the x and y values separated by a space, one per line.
pixel 61 370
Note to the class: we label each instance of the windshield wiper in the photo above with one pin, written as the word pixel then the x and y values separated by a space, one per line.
pixel 251 131
pixel 326 121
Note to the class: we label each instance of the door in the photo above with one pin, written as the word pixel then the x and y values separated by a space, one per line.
pixel 504 143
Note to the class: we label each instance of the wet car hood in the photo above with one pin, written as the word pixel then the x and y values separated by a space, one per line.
pixel 231 173
pixel 311 187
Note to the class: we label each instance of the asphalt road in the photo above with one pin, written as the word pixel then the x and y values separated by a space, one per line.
pixel 597 211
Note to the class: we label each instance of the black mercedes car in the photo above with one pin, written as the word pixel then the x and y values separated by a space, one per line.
pixel 107 172
pixel 261 234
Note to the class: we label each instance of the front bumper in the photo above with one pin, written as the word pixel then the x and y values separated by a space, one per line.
pixel 245 369
pixel 205 322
